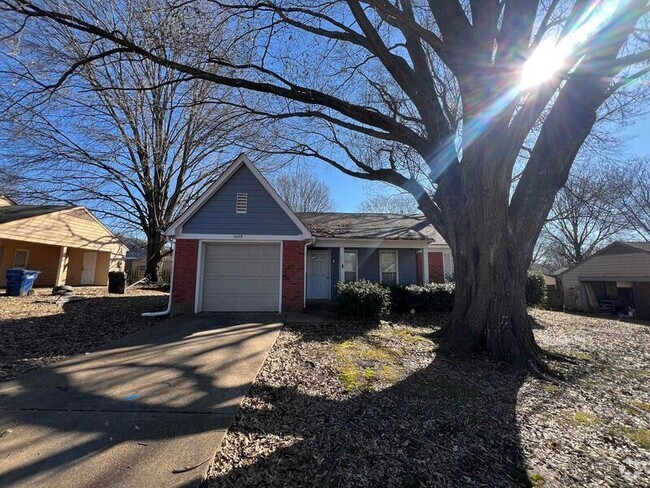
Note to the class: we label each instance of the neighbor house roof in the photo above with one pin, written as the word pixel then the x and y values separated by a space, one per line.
pixel 643 246
pixel 17 212
pixel 369 226
pixel 640 246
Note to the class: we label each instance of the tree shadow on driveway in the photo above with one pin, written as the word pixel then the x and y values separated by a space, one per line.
pixel 148 408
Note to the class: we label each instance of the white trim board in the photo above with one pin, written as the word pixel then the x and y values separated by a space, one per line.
pixel 381 243
pixel 241 237
pixel 175 230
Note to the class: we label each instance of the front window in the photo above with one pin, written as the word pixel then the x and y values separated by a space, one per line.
pixel 388 267
pixel 350 266
pixel 20 258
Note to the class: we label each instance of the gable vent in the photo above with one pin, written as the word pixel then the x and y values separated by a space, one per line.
pixel 241 205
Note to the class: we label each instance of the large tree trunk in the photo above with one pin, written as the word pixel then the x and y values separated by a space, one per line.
pixel 155 243
pixel 490 313
pixel 491 262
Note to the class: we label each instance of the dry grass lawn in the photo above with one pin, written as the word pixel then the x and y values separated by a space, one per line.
pixel 343 406
pixel 39 329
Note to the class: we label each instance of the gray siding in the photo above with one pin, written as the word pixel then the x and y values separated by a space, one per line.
pixel 264 215
pixel 406 262
pixel 368 264
pixel 408 270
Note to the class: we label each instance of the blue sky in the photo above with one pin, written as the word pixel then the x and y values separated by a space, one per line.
pixel 348 192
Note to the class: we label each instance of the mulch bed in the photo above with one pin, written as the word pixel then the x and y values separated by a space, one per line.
pixel 34 331
pixel 344 406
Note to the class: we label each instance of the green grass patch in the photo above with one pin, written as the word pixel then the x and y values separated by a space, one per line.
pixel 583 356
pixel 364 365
pixel 645 406
pixel 522 477
pixel 552 388
pixel 638 436
pixel 406 336
pixel 585 418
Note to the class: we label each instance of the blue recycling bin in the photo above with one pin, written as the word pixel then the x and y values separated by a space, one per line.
pixel 20 281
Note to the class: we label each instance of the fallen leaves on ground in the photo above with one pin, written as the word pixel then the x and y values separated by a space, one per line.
pixel 325 411
pixel 40 329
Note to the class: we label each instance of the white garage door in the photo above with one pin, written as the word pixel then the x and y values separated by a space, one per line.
pixel 241 278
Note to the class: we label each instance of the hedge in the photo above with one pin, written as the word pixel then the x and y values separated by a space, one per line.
pixel 434 297
pixel 535 289
pixel 362 300
pixel 366 301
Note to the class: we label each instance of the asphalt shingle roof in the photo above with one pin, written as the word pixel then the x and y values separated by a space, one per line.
pixel 369 226
pixel 644 246
pixel 18 212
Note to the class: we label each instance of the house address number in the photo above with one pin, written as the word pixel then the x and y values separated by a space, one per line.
pixel 238 236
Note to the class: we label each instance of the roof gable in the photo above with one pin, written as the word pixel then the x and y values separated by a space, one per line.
pixel 10 213
pixel 615 248
pixel 214 213
pixel 60 226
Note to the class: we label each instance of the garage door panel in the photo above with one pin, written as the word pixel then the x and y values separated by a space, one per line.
pixel 241 277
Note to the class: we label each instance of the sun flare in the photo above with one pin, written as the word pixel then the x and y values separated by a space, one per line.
pixel 551 56
pixel 543 64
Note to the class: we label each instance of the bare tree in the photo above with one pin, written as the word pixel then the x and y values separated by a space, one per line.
pixel 635 185
pixel 443 99
pixel 382 201
pixel 303 192
pixel 123 136
pixel 587 215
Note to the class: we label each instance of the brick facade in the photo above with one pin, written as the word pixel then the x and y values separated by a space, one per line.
pixel 293 276
pixel 436 268
pixel 185 263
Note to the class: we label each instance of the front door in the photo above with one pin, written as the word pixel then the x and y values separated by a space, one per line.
pixel 318 275
pixel 88 268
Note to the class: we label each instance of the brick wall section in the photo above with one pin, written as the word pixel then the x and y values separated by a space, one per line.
pixel 293 276
pixel 436 268
pixel 185 263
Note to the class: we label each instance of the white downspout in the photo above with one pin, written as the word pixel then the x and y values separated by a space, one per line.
pixel 168 310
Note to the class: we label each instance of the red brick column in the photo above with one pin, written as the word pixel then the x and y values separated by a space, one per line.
pixel 293 276
pixel 184 286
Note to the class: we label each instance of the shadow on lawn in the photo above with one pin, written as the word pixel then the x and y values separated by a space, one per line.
pixel 80 326
pixel 452 423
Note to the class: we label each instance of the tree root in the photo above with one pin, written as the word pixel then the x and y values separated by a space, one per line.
pixel 559 357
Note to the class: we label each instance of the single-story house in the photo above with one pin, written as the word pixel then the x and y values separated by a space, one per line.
pixel 68 245
pixel 616 278
pixel 239 247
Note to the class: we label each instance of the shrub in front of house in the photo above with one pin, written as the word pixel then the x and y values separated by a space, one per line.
pixel 535 290
pixel 434 297
pixel 362 300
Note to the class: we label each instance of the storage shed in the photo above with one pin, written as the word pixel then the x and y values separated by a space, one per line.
pixel 615 279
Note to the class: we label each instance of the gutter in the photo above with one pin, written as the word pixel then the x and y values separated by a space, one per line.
pixel 168 310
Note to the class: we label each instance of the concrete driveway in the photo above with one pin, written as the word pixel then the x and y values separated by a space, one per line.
pixel 150 409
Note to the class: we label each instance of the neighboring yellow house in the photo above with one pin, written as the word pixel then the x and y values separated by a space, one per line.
pixel 68 245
